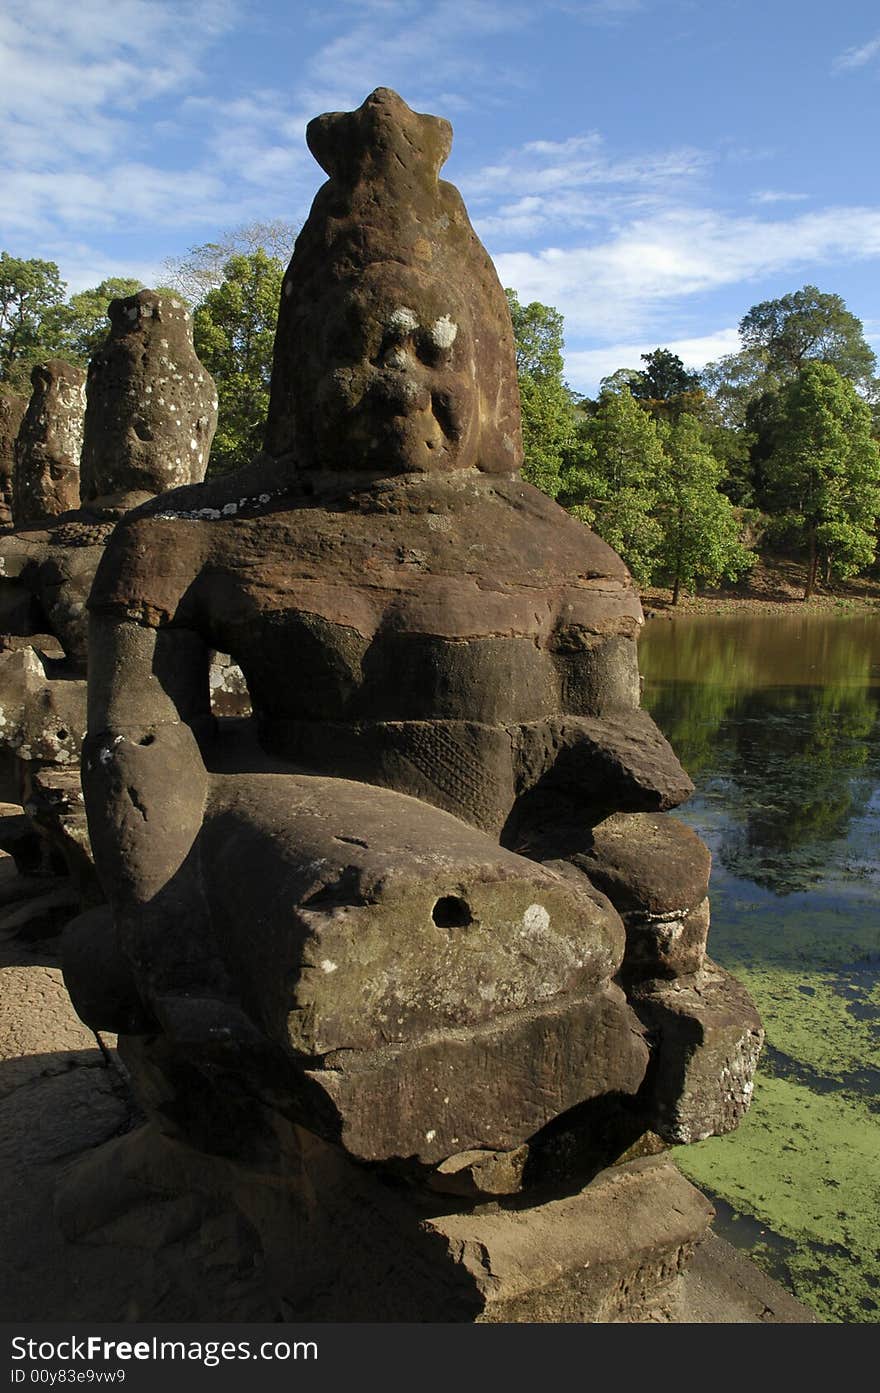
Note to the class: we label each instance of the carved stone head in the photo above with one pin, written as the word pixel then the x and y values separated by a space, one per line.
pixel 47 449
pixel 152 407
pixel 394 351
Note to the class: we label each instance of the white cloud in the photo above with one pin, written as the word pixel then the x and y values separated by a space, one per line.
pixel 86 265
pixel 423 50
pixel 585 368
pixel 857 57
pixel 547 185
pixel 619 286
pixel 120 197
pixel 70 76
pixel 80 152
pixel 777 196
pixel 599 11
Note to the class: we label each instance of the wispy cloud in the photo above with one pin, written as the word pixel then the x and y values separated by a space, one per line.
pixel 71 76
pixel 122 195
pixel 857 57
pixel 547 187
pixel 777 196
pixel 600 11
pixel 92 97
pixel 424 48
pixel 624 283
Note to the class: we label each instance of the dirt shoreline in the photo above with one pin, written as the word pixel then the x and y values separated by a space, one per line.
pixel 775 585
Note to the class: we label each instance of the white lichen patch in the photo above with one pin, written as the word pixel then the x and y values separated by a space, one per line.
pixel 212 514
pixel 402 320
pixel 536 919
pixel 444 331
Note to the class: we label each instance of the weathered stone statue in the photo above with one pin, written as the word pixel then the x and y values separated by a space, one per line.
pixel 47 447
pixel 374 950
pixel 150 415
pixel 12 409
pixel 152 407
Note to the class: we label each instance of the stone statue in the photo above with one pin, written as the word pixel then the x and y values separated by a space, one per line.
pixel 12 409
pixel 395 918
pixel 150 415
pixel 48 444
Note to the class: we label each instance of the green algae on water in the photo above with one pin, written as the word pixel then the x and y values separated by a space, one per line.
pixel 808 1166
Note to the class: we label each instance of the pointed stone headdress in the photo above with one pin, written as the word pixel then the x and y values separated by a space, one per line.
pixel 394 349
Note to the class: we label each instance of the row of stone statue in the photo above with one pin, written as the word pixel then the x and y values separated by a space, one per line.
pixel 420 932
pixel 140 421
pixel 86 449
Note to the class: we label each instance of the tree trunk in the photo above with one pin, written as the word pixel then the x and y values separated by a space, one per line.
pixel 812 567
pixel 676 590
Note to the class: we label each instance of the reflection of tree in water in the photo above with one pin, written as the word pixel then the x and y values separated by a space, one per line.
pixel 801 767
pixel 695 678
pixel 791 766
pixel 692 718
pixel 777 724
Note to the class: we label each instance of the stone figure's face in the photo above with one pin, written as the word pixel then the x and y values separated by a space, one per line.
pixel 393 387
pixel 52 488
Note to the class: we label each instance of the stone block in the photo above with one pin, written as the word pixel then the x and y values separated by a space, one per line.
pixel 706 1037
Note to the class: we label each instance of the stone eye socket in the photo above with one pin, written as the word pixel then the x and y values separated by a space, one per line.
pixel 429 351
pixel 452 912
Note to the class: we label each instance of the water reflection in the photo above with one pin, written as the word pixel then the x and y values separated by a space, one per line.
pixel 778 722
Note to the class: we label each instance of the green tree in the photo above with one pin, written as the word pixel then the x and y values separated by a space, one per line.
pixel 28 291
pixel 700 531
pixel 733 383
pixel 823 474
pixel 806 325
pixel 666 388
pixel 538 336
pixel 622 380
pixel 234 335
pixel 549 417
pixel 614 487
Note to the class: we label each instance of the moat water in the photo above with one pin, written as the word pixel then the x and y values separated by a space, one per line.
pixel 777 720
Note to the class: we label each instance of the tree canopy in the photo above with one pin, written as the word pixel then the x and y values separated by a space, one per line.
pixel 700 531
pixel 234 336
pixel 806 325
pixel 29 291
pixel 548 405
pixel 823 474
pixel 613 484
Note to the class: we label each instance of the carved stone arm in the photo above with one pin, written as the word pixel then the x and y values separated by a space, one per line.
pixel 144 779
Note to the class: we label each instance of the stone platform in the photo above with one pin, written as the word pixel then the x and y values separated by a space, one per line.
pixel 155 1253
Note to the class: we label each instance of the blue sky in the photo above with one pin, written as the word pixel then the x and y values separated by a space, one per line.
pixel 650 167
